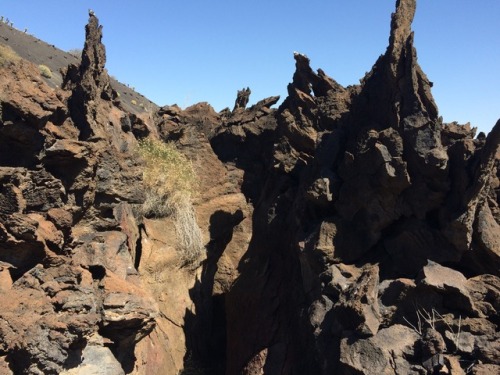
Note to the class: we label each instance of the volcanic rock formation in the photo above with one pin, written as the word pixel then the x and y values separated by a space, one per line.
pixel 68 234
pixel 349 231
pixel 366 193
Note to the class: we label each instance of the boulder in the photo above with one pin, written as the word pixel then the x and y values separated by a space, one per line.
pixel 452 284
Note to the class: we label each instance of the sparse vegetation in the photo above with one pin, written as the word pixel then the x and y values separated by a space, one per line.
pixel 430 319
pixel 133 102
pixel 7 55
pixel 45 71
pixel 169 181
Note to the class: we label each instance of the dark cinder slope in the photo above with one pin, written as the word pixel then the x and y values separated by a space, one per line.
pixel 40 53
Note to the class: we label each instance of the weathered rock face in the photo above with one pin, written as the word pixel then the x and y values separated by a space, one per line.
pixel 89 82
pixel 367 192
pixel 69 180
pixel 70 205
pixel 349 231
pixel 229 178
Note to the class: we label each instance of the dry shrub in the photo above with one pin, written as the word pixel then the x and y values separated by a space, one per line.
pixel 8 55
pixel 169 181
pixel 188 231
pixel 45 71
pixel 168 177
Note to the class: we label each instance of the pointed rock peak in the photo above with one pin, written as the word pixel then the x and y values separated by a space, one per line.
pixel 305 79
pixel 396 85
pixel 303 73
pixel 301 61
pixel 401 22
pixel 91 77
pixel 89 81
pixel 242 99
pixel 94 52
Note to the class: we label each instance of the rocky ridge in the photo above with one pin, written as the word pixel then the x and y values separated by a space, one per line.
pixel 349 231
pixel 69 238
pixel 367 204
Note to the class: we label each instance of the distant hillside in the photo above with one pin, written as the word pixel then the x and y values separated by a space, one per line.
pixel 40 53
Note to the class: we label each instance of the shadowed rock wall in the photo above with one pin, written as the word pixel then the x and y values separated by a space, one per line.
pixel 371 213
pixel 349 231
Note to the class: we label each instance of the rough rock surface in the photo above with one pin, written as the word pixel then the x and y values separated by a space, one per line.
pixel 367 194
pixel 64 200
pixel 349 231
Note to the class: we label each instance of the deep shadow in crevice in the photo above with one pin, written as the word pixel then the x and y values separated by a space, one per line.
pixel 252 156
pixel 123 337
pixel 75 355
pixel 138 247
pixel 20 138
pixel 98 272
pixel 22 256
pixel 206 331
pixel 19 361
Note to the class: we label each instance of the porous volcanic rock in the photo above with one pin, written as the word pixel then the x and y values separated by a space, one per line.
pixel 228 179
pixel 349 231
pixel 367 193
pixel 69 179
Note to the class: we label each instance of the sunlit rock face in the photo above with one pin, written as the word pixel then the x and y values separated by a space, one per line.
pixel 349 231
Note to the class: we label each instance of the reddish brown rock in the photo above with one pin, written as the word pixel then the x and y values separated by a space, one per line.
pixel 348 231
pixel 59 212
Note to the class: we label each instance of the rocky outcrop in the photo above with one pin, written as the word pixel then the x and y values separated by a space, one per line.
pixel 69 237
pixel 89 82
pixel 243 140
pixel 349 231
pixel 367 194
pixel 70 204
pixel 242 99
pixel 228 179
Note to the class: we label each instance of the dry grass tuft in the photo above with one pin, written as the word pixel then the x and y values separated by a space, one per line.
pixel 8 55
pixel 169 181
pixel 45 71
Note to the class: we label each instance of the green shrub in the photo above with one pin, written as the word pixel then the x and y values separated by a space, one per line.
pixel 170 181
pixel 8 55
pixel 45 71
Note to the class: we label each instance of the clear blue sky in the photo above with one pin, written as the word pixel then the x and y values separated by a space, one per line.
pixel 197 50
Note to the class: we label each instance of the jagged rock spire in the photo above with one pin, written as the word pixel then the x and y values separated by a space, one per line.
pixel 92 68
pixel 89 81
pixel 401 23
pixel 242 99
pixel 396 88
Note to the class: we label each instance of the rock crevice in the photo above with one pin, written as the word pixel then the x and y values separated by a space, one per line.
pixel 348 231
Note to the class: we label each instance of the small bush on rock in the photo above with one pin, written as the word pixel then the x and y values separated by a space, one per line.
pixel 169 181
pixel 45 71
pixel 8 55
